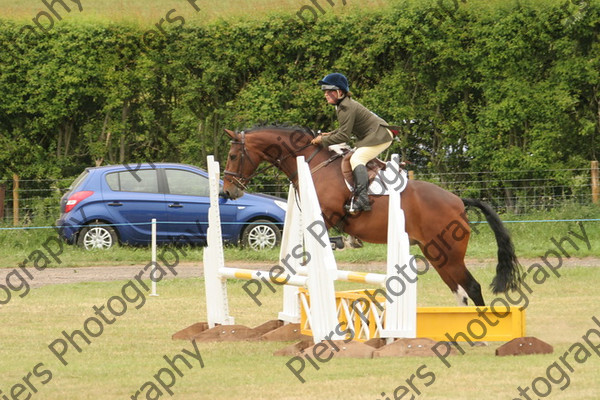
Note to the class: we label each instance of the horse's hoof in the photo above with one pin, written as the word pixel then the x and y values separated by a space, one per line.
pixel 354 242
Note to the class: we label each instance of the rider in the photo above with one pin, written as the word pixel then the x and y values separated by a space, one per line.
pixel 371 132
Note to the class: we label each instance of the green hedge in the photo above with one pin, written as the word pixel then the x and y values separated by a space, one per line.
pixel 498 88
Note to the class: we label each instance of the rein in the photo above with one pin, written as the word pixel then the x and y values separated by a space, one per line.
pixel 241 181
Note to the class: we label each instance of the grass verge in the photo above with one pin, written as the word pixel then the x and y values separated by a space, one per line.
pixel 531 240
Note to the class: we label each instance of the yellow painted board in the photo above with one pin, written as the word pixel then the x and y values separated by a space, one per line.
pixel 468 323
pixel 452 323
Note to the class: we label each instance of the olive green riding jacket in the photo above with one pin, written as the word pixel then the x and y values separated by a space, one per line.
pixel 355 119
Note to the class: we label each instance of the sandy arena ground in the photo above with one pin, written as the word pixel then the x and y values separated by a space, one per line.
pixel 53 276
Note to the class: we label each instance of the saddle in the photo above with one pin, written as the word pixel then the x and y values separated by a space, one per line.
pixel 373 168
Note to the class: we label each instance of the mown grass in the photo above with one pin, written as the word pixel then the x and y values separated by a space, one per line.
pixel 130 351
pixel 149 12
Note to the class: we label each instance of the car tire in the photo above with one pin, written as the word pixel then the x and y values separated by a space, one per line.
pixel 261 234
pixel 97 237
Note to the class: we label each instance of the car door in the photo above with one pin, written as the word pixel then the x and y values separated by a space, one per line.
pixel 133 200
pixel 187 200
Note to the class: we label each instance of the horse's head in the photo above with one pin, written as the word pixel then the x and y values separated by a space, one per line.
pixel 240 166
pixel 277 145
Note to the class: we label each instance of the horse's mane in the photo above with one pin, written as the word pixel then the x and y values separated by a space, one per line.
pixel 286 129
pixel 283 127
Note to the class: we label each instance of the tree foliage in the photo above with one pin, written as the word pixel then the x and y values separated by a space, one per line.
pixel 509 89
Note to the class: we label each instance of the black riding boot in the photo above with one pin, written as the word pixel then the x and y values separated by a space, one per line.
pixel 361 182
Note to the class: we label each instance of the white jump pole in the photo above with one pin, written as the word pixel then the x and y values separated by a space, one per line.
pixel 153 271
pixel 401 313
pixel 217 305
pixel 320 271
pixel 291 238
pixel 322 268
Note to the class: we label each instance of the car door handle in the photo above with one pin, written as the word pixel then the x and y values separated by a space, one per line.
pixel 117 204
pixel 175 206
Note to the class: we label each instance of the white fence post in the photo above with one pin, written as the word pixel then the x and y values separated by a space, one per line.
pixel 153 271
pixel 216 287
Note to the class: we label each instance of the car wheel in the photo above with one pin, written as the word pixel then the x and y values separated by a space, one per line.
pixel 97 237
pixel 261 234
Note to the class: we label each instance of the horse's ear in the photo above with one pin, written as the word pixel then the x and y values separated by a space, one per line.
pixel 231 134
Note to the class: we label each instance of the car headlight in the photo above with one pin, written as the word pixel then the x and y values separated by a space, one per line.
pixel 281 204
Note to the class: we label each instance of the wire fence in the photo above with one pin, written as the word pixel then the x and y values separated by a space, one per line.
pixel 515 192
pixel 520 192
pixel 23 200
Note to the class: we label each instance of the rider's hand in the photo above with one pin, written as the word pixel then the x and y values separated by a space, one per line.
pixel 317 140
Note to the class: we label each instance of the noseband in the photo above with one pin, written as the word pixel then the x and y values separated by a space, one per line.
pixel 237 178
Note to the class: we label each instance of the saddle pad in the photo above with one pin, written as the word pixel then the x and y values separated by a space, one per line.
pixel 387 179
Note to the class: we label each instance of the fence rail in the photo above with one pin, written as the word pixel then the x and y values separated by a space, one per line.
pixel 517 192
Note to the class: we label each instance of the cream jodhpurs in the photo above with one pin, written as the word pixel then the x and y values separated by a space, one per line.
pixel 363 155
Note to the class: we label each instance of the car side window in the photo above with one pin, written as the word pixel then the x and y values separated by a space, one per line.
pixel 144 181
pixel 186 183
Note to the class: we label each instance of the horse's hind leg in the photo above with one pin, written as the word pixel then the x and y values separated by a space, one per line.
pixel 467 282
pixel 442 269
pixel 461 283
pixel 454 273
pixel 457 269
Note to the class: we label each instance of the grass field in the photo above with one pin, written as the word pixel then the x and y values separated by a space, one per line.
pixel 147 12
pixel 129 352
pixel 151 11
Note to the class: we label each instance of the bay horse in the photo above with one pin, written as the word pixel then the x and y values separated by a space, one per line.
pixel 436 219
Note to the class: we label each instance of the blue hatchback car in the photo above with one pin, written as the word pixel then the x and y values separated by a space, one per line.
pixel 115 204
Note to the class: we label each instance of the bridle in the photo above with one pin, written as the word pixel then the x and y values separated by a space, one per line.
pixel 236 177
pixel 241 181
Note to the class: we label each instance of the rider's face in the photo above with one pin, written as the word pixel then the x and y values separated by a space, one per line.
pixel 332 96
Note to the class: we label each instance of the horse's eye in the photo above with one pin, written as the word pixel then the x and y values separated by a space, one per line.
pixel 232 157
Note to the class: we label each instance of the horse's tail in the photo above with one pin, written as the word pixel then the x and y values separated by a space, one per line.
pixel 508 270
